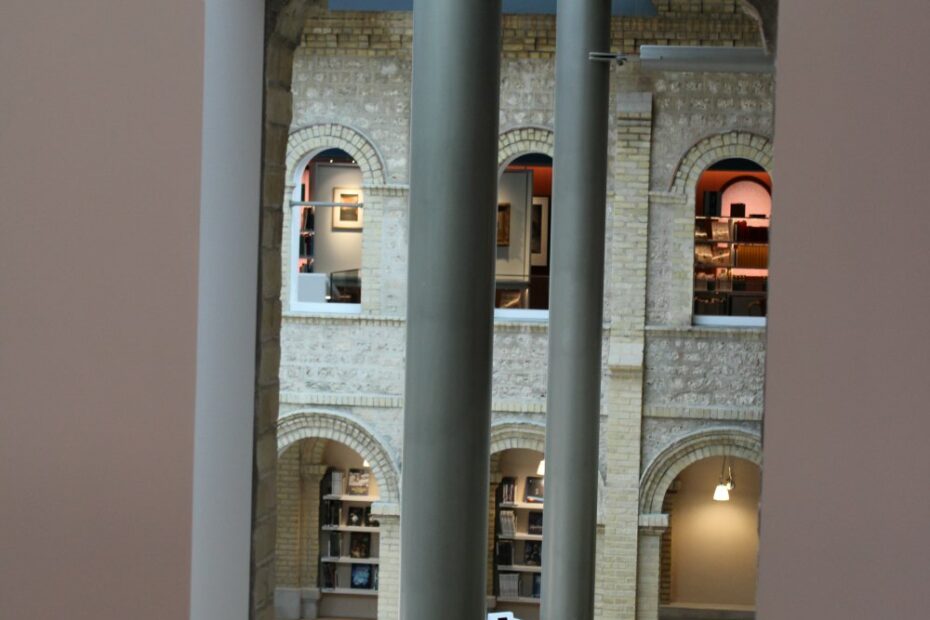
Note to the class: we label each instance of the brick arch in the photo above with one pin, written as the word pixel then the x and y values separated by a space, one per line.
pixel 733 442
pixel 532 436
pixel 522 435
pixel 305 141
pixel 524 140
pixel 348 431
pixel 712 149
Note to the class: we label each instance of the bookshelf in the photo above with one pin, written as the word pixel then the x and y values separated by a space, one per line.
pixel 730 265
pixel 306 238
pixel 518 541
pixel 349 537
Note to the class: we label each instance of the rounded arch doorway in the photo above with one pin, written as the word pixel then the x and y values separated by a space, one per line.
pixel 709 551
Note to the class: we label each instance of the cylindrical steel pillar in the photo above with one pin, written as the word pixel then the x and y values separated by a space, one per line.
pixel 450 308
pixel 576 306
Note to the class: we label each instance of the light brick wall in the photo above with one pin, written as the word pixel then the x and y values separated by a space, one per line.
pixel 287 543
pixel 719 22
pixel 663 379
pixel 389 566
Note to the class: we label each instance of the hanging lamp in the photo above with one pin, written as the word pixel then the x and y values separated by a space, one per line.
pixel 725 484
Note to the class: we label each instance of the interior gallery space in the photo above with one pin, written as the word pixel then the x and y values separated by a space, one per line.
pixel 505 310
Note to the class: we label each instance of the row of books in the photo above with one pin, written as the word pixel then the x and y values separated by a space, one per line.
pixel 306 246
pixel 307 221
pixel 532 553
pixel 361 576
pixel 357 516
pixel 510 585
pixel 719 230
pixel 533 490
pixel 352 482
pixel 359 545
pixel 508 523
pixel 745 256
pixel 724 283
pixel 507 520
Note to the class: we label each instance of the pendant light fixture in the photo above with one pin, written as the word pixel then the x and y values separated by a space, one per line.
pixel 541 470
pixel 725 484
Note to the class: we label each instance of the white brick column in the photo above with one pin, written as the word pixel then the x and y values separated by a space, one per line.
pixel 384 250
pixel 310 477
pixel 388 516
pixel 651 528
pixel 624 386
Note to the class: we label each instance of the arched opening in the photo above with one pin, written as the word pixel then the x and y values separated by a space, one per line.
pixel 524 213
pixel 733 208
pixel 709 551
pixel 326 240
pixel 515 532
pixel 328 544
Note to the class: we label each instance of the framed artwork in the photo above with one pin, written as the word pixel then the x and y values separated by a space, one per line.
pixel 539 231
pixel 534 491
pixel 361 576
pixel 358 482
pixel 347 217
pixel 503 224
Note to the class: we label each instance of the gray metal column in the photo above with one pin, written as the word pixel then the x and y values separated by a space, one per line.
pixel 450 308
pixel 576 309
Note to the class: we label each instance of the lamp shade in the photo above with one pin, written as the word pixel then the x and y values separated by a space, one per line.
pixel 721 493
pixel 541 470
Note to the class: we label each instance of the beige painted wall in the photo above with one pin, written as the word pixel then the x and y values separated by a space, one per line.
pixel 715 545
pixel 100 128
pixel 845 502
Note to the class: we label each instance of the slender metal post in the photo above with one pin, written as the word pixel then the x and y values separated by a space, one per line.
pixel 450 308
pixel 576 307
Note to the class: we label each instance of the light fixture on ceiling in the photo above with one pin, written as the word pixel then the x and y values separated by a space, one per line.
pixel 365 463
pixel 725 484
pixel 541 469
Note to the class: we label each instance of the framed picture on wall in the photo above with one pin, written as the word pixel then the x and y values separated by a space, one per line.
pixel 347 217
pixel 503 224
pixel 539 231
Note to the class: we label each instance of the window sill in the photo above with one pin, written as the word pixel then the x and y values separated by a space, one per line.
pixel 503 315
pixel 323 309
pixel 729 321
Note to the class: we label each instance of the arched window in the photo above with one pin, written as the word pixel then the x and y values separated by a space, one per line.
pixel 326 239
pixel 524 213
pixel 731 244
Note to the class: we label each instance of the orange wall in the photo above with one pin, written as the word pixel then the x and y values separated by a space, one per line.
pixel 542 178
pixel 100 126
pixel 714 180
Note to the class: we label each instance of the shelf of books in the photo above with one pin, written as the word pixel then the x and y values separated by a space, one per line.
pixel 731 256
pixel 349 537
pixel 305 258
pixel 518 541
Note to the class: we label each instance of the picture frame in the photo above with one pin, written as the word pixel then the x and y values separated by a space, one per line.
pixel 503 224
pixel 361 576
pixel 358 482
pixel 347 218
pixel 539 231
pixel 535 489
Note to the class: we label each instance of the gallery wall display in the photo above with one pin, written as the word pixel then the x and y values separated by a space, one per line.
pixel 503 224
pixel 345 215
pixel 539 232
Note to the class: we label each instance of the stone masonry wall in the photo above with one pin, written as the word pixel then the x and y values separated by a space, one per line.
pixel 663 379
pixel 711 22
